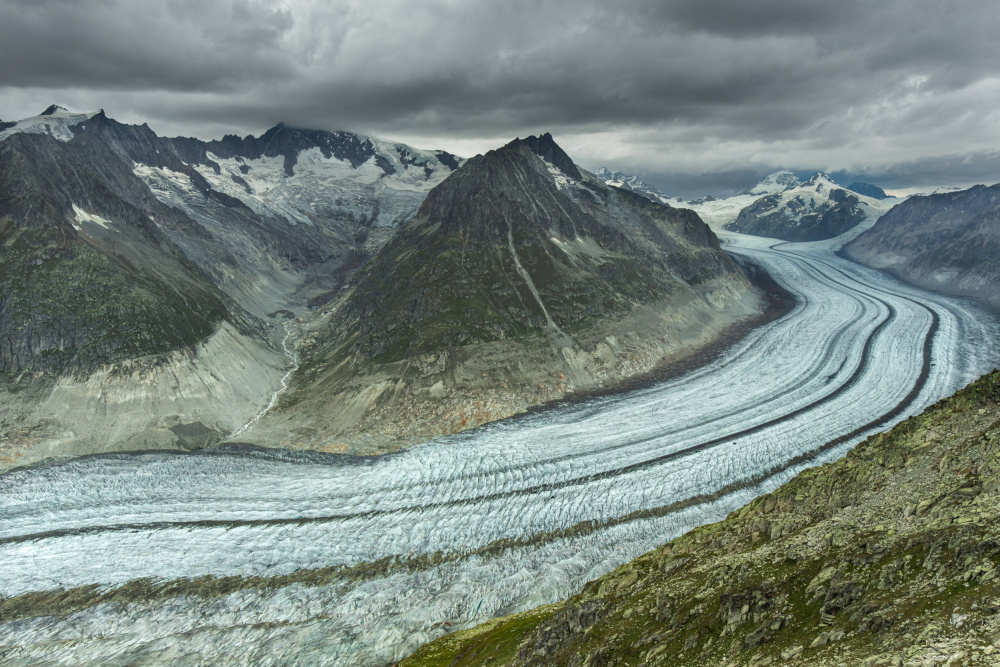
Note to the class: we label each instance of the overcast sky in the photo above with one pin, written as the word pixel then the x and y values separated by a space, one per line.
pixel 699 96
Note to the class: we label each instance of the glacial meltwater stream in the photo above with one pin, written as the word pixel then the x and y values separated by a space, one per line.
pixel 317 559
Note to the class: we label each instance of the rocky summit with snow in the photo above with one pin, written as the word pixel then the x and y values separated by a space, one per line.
pixel 774 183
pixel 815 210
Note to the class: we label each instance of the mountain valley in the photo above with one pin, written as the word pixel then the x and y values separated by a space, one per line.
pixel 146 287
pixel 341 397
pixel 519 281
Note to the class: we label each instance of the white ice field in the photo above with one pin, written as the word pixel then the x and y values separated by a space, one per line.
pixel 858 353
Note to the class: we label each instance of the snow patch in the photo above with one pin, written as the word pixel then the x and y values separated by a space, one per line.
pixel 58 124
pixel 82 217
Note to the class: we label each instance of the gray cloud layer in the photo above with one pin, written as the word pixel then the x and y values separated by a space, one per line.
pixel 669 88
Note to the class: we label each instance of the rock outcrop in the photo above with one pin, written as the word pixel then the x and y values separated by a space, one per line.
pixel 889 556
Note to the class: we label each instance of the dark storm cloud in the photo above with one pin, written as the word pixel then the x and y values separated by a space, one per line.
pixel 708 87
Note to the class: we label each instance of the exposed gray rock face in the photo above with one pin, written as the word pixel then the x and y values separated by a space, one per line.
pixel 88 279
pixel 276 220
pixel 948 242
pixel 815 210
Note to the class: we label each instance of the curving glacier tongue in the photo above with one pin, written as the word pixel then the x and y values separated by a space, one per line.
pixel 337 560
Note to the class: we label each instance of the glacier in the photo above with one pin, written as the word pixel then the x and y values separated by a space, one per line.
pixel 356 561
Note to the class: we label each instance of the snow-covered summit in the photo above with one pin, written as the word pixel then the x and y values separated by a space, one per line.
pixel 55 121
pixel 771 184
pixel 815 210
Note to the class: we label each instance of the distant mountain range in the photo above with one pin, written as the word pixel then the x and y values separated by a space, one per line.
pixel 779 205
pixel 619 179
pixel 812 211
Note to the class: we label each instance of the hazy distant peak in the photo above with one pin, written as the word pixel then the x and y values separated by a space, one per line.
pixel 821 178
pixel 868 190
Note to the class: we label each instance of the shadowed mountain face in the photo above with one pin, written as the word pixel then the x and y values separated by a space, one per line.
pixel 868 190
pixel 948 242
pixel 812 211
pixel 518 243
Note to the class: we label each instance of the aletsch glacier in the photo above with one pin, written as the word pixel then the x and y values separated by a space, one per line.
pixel 523 512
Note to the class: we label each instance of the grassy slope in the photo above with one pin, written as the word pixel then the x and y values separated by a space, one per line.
pixel 886 557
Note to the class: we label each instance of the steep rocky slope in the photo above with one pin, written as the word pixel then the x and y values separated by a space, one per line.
pixel 109 335
pixel 948 242
pixel 86 278
pixel 811 211
pixel 888 556
pixel 520 279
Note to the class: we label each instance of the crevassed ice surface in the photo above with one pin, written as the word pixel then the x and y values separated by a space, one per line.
pixel 858 353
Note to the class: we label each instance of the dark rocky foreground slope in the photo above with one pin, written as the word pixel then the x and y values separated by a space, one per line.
pixel 889 556
pixel 948 242
pixel 520 279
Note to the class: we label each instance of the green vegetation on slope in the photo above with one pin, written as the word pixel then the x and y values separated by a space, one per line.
pixel 886 557
pixel 67 306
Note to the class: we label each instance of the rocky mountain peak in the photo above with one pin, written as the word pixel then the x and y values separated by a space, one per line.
pixel 545 147
pixel 821 178
pixel 53 109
